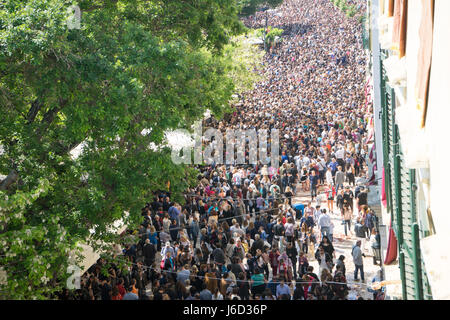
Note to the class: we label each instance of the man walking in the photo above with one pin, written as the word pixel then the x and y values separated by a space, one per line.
pixel 358 261
pixel 278 231
pixel 292 253
pixel 324 223
pixel 149 252
pixel 321 164
pixel 314 180
pixel 348 195
pixel 340 177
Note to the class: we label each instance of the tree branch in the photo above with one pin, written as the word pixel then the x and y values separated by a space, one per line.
pixel 9 180
pixel 32 113
pixel 49 116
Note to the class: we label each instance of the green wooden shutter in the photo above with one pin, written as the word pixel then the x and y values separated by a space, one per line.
pixel 365 34
pixel 390 98
pixel 387 132
pixel 401 199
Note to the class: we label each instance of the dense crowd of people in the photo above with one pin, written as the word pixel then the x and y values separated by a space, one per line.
pixel 239 234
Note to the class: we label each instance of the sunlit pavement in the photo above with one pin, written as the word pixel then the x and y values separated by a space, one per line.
pixel 343 246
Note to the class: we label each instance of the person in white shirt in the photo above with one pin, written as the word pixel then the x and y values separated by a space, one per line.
pixel 330 235
pixel 306 161
pixel 329 177
pixel 226 187
pixel 324 223
pixel 340 153
pixel 298 162
pixel 237 178
pixel 264 171
pixel 317 213
pixel 237 229
pixel 233 227
pixel 322 167
pixel 324 260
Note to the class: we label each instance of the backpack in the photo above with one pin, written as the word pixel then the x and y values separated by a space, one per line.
pixel 236 251
pixel 310 222
pixel 278 230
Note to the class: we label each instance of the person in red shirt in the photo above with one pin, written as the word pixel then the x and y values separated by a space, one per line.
pixel 273 258
pixel 116 294
pixel 121 288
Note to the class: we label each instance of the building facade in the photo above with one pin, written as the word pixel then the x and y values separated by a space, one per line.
pixel 409 49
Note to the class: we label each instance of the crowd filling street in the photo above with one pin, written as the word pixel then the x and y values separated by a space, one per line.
pixel 303 231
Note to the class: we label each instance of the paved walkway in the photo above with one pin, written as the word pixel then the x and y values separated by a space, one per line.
pixel 343 246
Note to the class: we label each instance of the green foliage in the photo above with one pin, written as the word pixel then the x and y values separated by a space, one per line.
pixel 244 59
pixel 361 19
pixel 349 10
pixel 271 34
pixel 133 65
pixel 249 7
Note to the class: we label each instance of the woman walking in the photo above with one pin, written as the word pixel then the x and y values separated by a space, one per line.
pixel 347 217
pixel 330 193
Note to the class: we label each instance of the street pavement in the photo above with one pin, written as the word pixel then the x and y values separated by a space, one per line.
pixel 343 246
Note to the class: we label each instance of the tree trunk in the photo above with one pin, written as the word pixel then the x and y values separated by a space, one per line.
pixel 10 179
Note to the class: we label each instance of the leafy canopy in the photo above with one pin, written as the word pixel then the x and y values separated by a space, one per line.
pixel 132 65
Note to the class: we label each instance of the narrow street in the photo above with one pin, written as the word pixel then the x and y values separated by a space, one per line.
pixel 343 246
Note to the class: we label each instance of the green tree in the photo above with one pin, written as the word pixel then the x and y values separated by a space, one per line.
pixel 249 7
pixel 271 34
pixel 133 65
pixel 244 59
pixel 352 11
